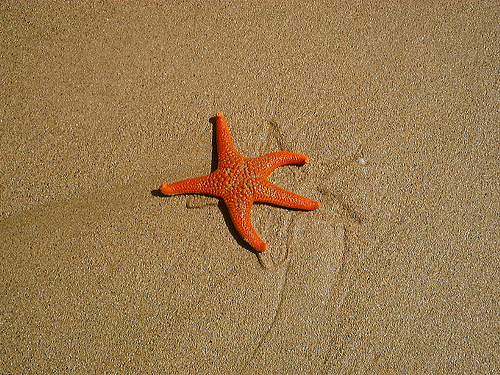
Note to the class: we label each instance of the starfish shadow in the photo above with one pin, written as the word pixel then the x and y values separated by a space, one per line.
pixel 215 158
pixel 232 230
pixel 157 193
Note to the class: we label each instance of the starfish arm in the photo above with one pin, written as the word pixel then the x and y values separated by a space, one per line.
pixel 200 185
pixel 240 212
pixel 227 154
pixel 268 163
pixel 270 193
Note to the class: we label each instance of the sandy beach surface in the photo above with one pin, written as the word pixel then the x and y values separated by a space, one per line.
pixel 395 103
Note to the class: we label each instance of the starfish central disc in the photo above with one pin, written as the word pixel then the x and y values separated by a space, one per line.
pixel 241 181
pixel 239 178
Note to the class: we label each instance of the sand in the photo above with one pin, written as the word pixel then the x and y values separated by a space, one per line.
pixel 397 107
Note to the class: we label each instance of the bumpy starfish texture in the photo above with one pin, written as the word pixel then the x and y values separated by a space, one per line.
pixel 241 181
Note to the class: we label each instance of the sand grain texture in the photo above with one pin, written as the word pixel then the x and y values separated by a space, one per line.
pixel 396 105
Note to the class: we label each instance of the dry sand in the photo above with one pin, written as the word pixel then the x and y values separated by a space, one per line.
pixel 397 106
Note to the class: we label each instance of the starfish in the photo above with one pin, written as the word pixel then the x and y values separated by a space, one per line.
pixel 241 181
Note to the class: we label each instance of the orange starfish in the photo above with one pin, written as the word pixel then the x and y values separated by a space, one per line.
pixel 241 181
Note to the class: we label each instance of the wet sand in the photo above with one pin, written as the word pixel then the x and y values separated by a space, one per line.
pixel 396 105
